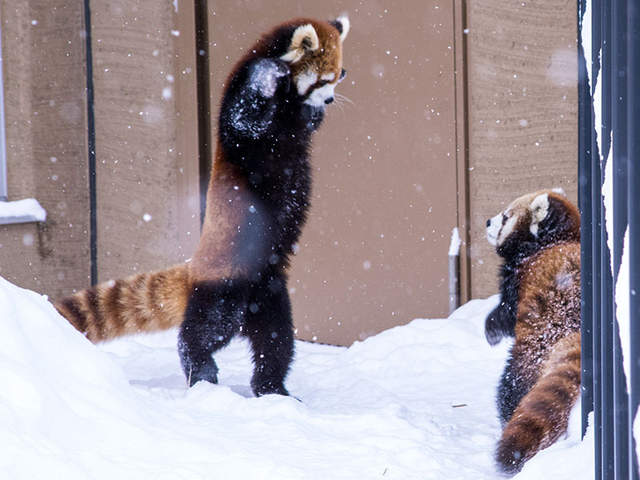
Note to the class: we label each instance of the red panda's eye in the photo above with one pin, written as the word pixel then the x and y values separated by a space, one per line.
pixel 343 73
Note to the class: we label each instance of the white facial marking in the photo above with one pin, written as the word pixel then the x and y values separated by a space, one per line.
pixel 539 209
pixel 507 229
pixel 305 80
pixel 493 229
pixel 319 95
pixel 497 231
pixel 330 77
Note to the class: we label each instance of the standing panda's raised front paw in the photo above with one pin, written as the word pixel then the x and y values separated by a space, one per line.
pixel 266 75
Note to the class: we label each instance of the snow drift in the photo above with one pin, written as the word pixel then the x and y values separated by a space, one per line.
pixel 413 402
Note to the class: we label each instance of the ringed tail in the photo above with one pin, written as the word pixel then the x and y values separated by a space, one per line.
pixel 140 303
pixel 543 414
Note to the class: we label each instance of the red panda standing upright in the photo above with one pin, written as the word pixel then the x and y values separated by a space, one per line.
pixel 538 236
pixel 257 202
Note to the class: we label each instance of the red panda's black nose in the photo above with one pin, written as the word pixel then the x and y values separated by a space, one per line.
pixel 489 223
pixel 329 100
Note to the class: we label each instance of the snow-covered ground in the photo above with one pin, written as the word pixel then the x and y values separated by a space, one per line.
pixel 412 402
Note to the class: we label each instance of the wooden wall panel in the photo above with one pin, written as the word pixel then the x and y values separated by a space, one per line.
pixel 523 136
pixel 146 134
pixel 45 108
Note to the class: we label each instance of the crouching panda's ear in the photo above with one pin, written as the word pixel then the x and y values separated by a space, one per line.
pixel 559 191
pixel 304 39
pixel 539 209
pixel 343 25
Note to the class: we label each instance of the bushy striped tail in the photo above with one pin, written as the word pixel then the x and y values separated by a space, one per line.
pixel 542 415
pixel 140 303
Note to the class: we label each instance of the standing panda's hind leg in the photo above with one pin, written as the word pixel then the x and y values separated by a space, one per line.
pixel 269 328
pixel 213 316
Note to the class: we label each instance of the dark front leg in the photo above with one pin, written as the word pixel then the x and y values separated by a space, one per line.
pixel 213 316
pixel 248 110
pixel 269 328
pixel 499 323
pixel 508 393
pixel 518 377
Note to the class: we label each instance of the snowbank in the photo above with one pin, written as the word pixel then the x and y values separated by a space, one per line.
pixel 413 402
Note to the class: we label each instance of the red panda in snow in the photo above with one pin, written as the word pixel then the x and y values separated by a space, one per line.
pixel 538 238
pixel 257 203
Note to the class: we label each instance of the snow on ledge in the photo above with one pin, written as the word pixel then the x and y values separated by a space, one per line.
pixel 20 211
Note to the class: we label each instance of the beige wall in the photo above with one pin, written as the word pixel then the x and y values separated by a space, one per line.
pixel 45 108
pixel 146 135
pixel 146 139
pixel 523 136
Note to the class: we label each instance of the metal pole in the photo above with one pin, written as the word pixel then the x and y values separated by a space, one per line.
pixel 454 291
pixel 3 145
pixel 584 200
pixel 633 199
pixel 91 144
pixel 619 213
pixel 596 203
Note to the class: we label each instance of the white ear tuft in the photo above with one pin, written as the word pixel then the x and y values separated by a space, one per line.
pixel 304 39
pixel 344 22
pixel 559 191
pixel 539 209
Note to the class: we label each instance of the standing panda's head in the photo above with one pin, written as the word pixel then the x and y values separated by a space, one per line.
pixel 314 55
pixel 534 221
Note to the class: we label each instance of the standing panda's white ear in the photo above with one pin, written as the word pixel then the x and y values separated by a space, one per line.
pixel 304 39
pixel 343 25
pixel 559 191
pixel 539 209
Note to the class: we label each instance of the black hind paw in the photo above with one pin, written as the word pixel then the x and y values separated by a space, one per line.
pixel 197 369
pixel 268 387
pixel 208 374
pixel 266 75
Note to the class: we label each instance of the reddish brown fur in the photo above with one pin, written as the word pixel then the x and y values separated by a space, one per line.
pixel 571 226
pixel 546 353
pixel 156 301
pixel 327 59
pixel 144 302
pixel 228 201
pixel 543 414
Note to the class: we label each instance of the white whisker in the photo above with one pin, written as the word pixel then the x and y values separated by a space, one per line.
pixel 343 98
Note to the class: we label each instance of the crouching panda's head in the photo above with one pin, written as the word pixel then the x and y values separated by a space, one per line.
pixel 534 221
